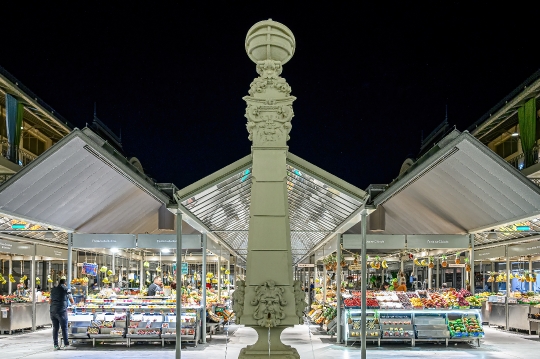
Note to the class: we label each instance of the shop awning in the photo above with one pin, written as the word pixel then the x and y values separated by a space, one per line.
pixel 81 184
pixel 461 186
pixel 319 203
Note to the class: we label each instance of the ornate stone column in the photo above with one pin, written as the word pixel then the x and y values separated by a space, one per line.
pixel 269 300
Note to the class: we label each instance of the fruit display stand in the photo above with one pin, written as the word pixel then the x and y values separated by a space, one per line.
pixel 353 329
pixel 190 327
pixel 413 316
pixel 397 326
pixel 78 324
pixel 111 327
pixel 147 319
pixel 144 327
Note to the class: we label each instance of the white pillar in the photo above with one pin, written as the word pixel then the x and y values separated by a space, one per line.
pixel 338 289
pixel 531 271
pixel 141 273
pixel 219 275
pixel 437 283
pixel 363 284
pixel 471 261
pixel 70 260
pixel 430 276
pixel 508 283
pixel 33 288
pixel 178 345
pixel 10 264
pixel 203 289
pixel 325 273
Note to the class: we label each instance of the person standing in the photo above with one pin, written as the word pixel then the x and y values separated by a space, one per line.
pixel 157 286
pixel 60 295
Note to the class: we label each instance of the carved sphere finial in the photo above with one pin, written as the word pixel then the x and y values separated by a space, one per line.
pixel 270 40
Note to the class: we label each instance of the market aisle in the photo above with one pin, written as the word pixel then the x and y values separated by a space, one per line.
pixel 498 344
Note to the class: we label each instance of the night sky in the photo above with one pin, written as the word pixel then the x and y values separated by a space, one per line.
pixel 368 79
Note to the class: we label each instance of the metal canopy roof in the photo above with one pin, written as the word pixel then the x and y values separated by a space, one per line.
pixel 81 185
pixel 319 204
pixel 464 187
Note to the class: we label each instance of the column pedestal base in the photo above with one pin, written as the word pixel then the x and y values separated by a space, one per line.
pixel 260 349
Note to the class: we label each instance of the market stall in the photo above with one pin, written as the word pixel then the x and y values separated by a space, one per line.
pixel 20 308
pixel 160 310
pixel 516 299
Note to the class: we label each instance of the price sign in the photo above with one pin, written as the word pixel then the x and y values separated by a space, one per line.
pixel 355 267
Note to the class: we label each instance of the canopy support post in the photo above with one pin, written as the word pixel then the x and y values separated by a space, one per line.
pixel 203 289
pixel 70 260
pixel 471 263
pixel 363 284
pixel 178 346
pixel 508 283
pixel 33 289
pixel 338 289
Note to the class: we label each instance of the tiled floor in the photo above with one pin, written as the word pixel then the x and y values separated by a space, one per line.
pixel 497 344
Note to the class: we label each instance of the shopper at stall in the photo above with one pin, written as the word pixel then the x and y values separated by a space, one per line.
pixel 21 291
pixel 385 286
pixel 60 295
pixel 157 286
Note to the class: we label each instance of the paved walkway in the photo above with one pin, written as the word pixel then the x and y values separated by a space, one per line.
pixel 497 344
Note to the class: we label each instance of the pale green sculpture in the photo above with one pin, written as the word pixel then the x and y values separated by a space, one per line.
pixel 270 301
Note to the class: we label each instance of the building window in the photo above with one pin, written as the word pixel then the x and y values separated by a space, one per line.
pixel 33 144
pixel 507 148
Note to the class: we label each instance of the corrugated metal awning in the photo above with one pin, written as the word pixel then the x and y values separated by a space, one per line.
pixel 82 185
pixel 319 203
pixel 464 187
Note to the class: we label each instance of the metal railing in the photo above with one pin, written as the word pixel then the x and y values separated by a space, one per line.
pixel 4 177
pixel 519 161
pixel 25 156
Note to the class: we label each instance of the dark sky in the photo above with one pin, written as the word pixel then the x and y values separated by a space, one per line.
pixel 368 79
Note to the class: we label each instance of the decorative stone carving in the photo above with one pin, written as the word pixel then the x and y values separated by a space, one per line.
pixel 238 297
pixel 269 106
pixel 270 302
pixel 299 301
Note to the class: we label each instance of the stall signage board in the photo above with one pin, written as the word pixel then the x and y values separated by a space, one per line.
pixel 103 240
pixel 454 265
pixel 168 241
pixel 305 265
pixel 524 249
pixel 24 249
pixel 46 251
pixel 355 267
pixel 436 241
pixel 374 241
pixel 494 252
pixel 184 268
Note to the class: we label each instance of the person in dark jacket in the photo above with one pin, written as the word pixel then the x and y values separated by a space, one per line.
pixel 60 295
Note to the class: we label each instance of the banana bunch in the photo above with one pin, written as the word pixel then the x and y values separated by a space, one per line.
pixel 416 262
pixel 38 281
pixel 103 269
pixel 384 264
pixel 109 272
pixel 2 279
pixel 11 278
pixel 23 278
pixel 158 269
pixel 423 263
pixel 146 265
pixel 49 279
pixel 147 273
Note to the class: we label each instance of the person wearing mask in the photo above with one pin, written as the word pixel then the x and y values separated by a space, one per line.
pixel 385 286
pixel 157 286
pixel 60 295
